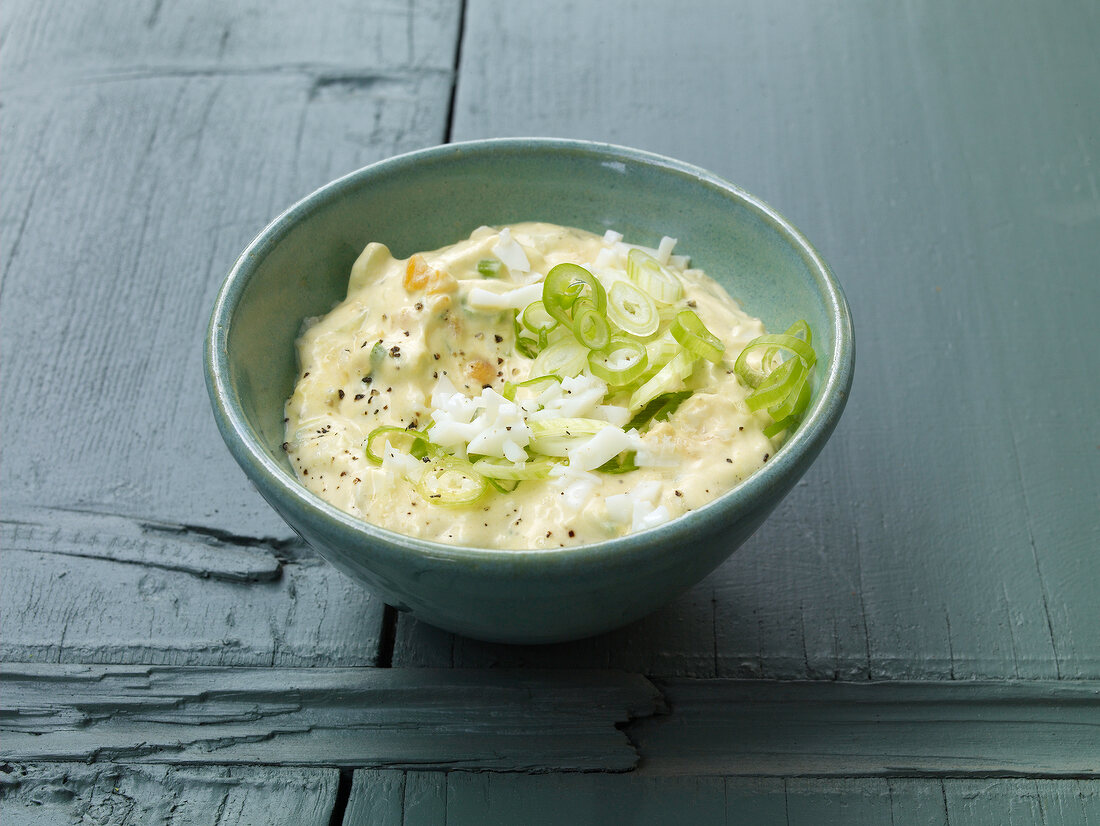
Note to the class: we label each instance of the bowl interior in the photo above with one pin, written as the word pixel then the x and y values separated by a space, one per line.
pixel 299 266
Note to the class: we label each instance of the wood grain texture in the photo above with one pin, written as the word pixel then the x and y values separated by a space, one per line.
pixel 503 720
pixel 155 545
pixel 142 152
pixel 113 795
pixel 144 145
pixel 943 159
pixel 60 608
pixel 947 729
pixel 393 798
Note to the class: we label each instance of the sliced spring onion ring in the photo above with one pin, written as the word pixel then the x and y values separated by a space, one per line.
pixel 657 281
pixel 451 482
pixel 503 469
pixel 410 441
pixel 784 389
pixel 795 404
pixel 775 428
pixel 661 350
pixel 800 329
pixel 525 346
pixel 511 387
pixel 753 376
pixel 553 437
pixel 566 283
pixel 688 329
pixel 668 379
pixel 489 267
pixel 565 357
pixel 537 320
pixel 503 486
pixel 632 310
pixel 589 326
pixel 778 385
pixel 622 361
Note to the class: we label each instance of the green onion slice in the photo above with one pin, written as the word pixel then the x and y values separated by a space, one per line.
pixel 632 310
pixel 565 357
pixel 779 384
pixel 524 346
pixel 451 482
pixel 648 273
pixel 661 350
pixel 753 376
pixel 800 329
pixel 409 441
pixel 622 361
pixel 511 387
pixel 784 389
pixel 504 469
pixel 503 486
pixel 589 325
pixel 553 437
pixel 668 379
pixel 566 283
pixel 775 428
pixel 795 404
pixel 537 320
pixel 489 267
pixel 688 329
pixel 658 409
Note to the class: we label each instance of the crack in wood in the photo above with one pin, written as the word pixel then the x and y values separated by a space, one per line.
pixel 199 551
pixel 386 717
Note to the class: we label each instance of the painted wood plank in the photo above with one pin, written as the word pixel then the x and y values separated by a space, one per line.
pixel 1008 802
pixel 156 545
pixel 135 173
pixel 551 799
pixel 898 729
pixel 60 608
pixel 395 797
pixel 51 40
pixel 859 800
pixel 112 795
pixel 142 152
pixel 927 542
pixel 377 797
pixel 362 717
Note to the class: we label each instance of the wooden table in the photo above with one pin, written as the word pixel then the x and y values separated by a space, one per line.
pixel 914 637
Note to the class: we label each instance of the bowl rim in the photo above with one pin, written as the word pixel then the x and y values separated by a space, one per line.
pixel 751 493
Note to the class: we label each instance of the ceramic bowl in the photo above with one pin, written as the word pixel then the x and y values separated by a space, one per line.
pixel 299 265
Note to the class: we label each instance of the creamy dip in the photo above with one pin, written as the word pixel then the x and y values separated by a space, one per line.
pixel 429 343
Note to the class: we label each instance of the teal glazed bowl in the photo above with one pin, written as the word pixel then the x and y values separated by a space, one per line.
pixel 299 266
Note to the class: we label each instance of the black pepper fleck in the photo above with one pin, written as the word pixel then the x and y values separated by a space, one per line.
pixel 340 393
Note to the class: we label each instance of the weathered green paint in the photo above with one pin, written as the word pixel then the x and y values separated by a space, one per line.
pixel 113 795
pixel 502 720
pixel 949 530
pixel 893 729
pixel 944 160
pixel 390 797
